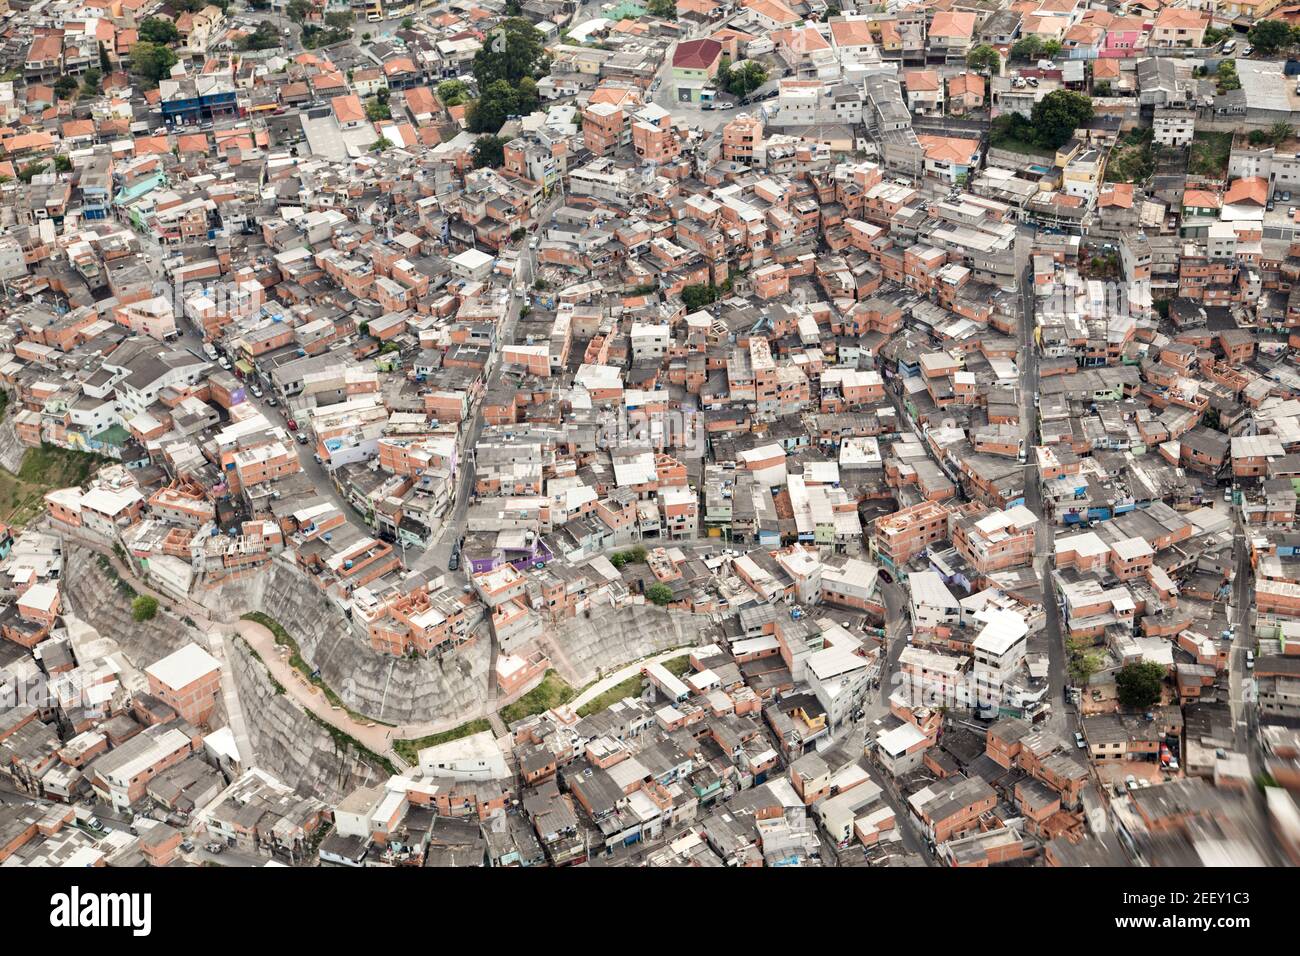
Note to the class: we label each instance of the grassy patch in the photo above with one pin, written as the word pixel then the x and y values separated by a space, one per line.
pixel 123 586
pixel 1132 160
pixel 551 692
pixel 1012 145
pixel 1210 154
pixel 284 639
pixel 628 688
pixel 409 750
pixel 22 496
pixel 677 666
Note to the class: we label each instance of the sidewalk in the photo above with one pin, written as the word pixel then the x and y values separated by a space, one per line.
pixel 311 697
pixel 624 673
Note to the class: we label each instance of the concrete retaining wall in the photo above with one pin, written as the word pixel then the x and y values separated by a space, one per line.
pixel 289 743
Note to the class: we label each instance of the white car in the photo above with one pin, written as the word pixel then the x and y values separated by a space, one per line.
pixel 224 363
pixel 726 106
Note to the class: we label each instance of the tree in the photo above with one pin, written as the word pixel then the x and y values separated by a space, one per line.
pixel 1051 48
pixel 1084 661
pixel 660 594
pixel 510 52
pixel 697 297
pixel 488 113
pixel 746 79
pixel 105 65
pixel 501 100
pixel 1057 115
pixel 31 170
pixel 377 109
pixel 663 9
pixel 1280 132
pixel 408 23
pixel 91 81
pixel 144 608
pixel 1227 76
pixel 1140 685
pixel 1027 48
pixel 65 86
pixel 158 30
pixel 298 10
pixel 453 92
pixel 151 62
pixel 63 163
pixel 381 144
pixel 984 59
pixel 489 151
pixel 265 37
pixel 1269 36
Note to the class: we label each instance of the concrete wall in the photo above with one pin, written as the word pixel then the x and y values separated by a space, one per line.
pixel 395 691
pixel 93 596
pixel 289 743
pixel 612 637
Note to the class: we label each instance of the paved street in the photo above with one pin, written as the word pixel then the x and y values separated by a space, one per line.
pixel 1058 720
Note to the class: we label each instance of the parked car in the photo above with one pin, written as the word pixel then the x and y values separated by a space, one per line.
pixel 726 106
pixel 302 439
pixel 1079 741
pixel 187 846
pixel 224 363
pixel 454 561
pixel 257 392
pixel 214 848
pixel 1131 782
pixel 1250 660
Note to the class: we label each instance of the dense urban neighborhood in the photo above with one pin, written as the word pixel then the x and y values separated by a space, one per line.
pixel 510 433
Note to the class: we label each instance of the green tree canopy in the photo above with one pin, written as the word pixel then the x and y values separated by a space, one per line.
pixel 1027 48
pixel 510 52
pixel 265 37
pixel 151 62
pixel 660 594
pixel 984 59
pixel 65 86
pixel 698 296
pixel 746 78
pixel 663 9
pixel 500 100
pixel 144 608
pixel 1140 685
pixel 1269 36
pixel 158 30
pixel 1058 114
pixel 453 92
pixel 489 151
